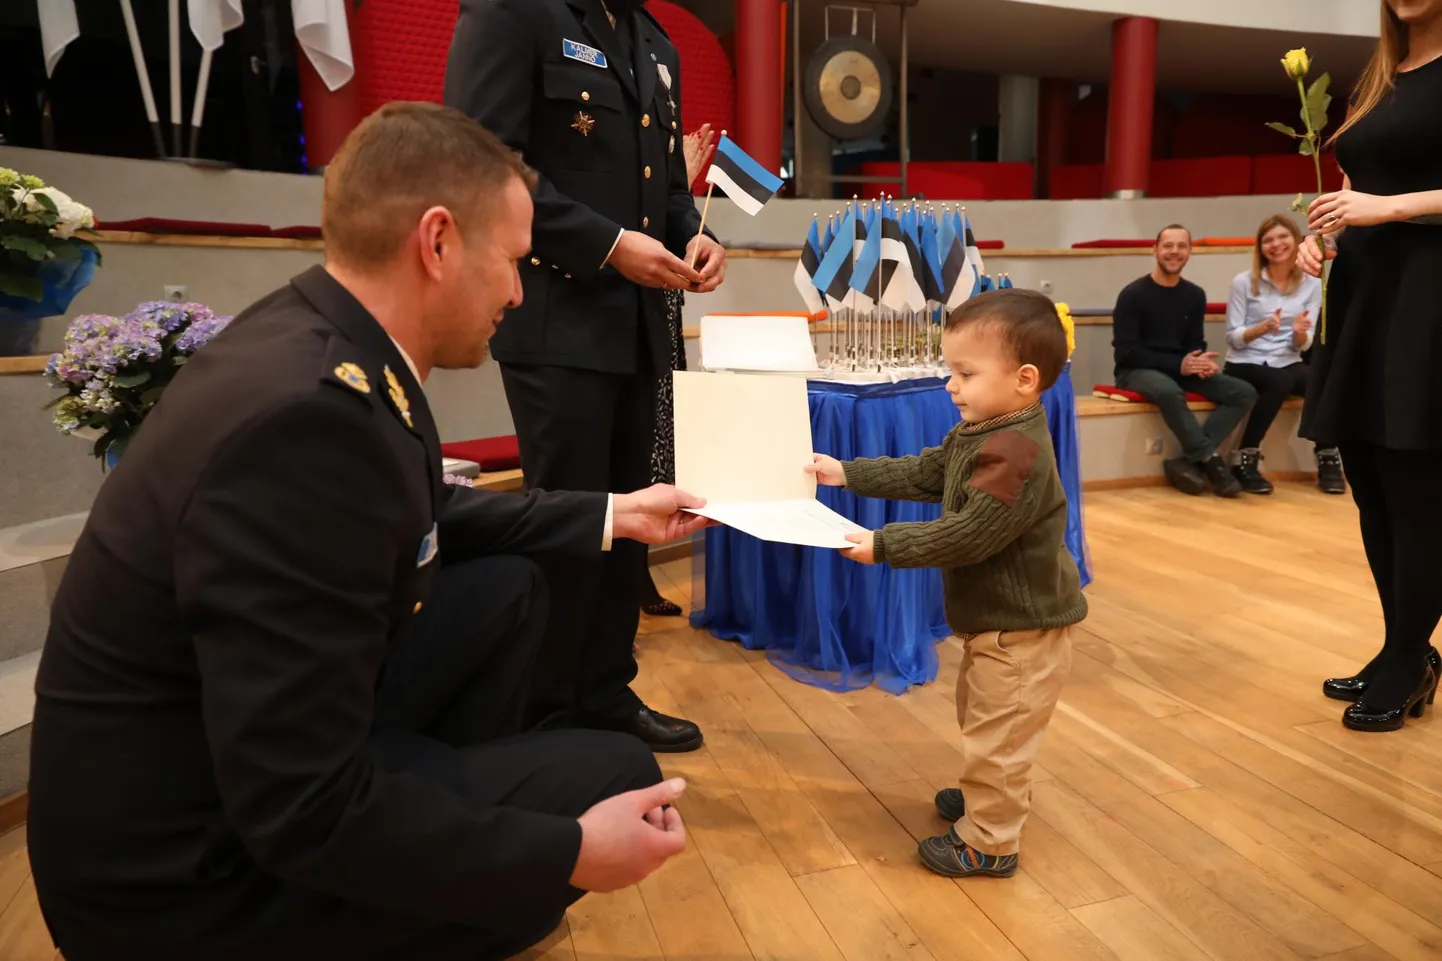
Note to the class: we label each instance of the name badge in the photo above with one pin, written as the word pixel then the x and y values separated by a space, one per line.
pixel 430 546
pixel 572 50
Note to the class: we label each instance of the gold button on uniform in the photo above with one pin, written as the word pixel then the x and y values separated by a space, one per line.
pixel 673 125
pixel 585 95
pixel 645 120
pixel 417 608
pixel 535 261
pixel 647 172
pixel 645 222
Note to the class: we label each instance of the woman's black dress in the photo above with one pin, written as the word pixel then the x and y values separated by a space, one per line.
pixel 1378 378
pixel 663 453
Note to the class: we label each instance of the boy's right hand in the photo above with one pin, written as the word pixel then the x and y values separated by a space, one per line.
pixel 828 470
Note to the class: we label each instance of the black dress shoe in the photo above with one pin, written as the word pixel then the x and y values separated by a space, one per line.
pixel 1184 475
pixel 1221 479
pixel 662 734
pixel 1363 717
pixel 1353 689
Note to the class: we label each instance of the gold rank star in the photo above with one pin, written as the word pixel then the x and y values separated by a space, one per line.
pixel 398 397
pixel 353 377
pixel 583 123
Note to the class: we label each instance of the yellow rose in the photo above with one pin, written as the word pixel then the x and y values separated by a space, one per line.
pixel 1064 313
pixel 1297 63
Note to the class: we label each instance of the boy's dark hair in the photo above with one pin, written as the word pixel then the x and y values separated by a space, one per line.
pixel 1027 322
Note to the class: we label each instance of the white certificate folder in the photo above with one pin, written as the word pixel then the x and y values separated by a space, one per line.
pixel 743 442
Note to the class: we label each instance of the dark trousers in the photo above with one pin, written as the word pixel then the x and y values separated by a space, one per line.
pixel 1233 398
pixel 582 430
pixel 1401 516
pixel 459 685
pixel 1274 385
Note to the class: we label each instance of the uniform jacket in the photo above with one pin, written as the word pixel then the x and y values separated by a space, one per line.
pixel 201 754
pixel 607 143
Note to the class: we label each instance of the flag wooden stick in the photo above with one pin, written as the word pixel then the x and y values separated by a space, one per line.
pixel 705 208
pixel 147 93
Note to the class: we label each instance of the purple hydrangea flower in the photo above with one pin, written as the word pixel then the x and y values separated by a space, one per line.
pixel 170 316
pixel 199 333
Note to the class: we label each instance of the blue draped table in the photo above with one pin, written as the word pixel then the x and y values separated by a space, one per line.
pixel 832 622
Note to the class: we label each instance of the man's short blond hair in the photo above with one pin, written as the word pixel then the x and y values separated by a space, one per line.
pixel 398 163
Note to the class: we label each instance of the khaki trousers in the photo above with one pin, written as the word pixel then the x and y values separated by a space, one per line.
pixel 1008 687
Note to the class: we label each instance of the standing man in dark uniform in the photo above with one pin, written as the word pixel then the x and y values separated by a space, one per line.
pixel 587 91
pixel 279 711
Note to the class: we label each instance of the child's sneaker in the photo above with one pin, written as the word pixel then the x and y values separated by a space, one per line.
pixel 950 803
pixel 949 855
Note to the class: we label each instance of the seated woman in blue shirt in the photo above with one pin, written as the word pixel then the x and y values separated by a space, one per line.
pixel 1270 318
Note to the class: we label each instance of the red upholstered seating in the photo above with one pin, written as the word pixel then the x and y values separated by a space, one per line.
pixel 1223 242
pixel 167 225
pixel 952 180
pixel 492 453
pixel 1110 243
pixel 1213 308
pixel 1112 392
pixel 400 49
pixel 1290 173
pixel 1204 177
pixel 1076 181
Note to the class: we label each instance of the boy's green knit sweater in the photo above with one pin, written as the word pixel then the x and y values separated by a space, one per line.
pixel 1000 541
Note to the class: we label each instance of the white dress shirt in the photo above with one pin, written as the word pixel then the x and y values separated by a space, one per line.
pixel 1246 309
pixel 610 498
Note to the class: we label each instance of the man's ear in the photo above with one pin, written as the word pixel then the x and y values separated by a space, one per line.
pixel 436 229
pixel 1028 378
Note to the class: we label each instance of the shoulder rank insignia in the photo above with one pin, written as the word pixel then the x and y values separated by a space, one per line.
pixel 398 397
pixel 353 377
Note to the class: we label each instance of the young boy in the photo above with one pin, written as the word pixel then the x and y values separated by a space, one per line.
pixel 1012 590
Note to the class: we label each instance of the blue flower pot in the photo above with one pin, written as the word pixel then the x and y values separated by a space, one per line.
pixel 20 318
pixel 111 459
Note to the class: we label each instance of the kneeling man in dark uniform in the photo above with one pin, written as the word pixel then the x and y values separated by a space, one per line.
pixel 280 708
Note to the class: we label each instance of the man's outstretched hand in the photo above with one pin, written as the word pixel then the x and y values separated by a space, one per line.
pixel 655 515
pixel 625 838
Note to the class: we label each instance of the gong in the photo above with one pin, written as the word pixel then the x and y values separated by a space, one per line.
pixel 848 87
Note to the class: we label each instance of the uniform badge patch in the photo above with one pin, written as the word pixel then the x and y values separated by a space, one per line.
pixel 353 377
pixel 664 74
pixel 572 50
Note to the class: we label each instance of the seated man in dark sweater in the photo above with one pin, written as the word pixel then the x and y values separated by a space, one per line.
pixel 1161 353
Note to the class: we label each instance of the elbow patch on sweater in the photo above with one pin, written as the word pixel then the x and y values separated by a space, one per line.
pixel 1003 465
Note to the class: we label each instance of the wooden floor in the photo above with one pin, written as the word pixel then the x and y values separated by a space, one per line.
pixel 1197 799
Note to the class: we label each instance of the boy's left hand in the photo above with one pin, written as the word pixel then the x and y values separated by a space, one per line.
pixel 864 551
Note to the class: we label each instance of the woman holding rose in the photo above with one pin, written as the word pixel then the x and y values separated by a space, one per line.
pixel 1375 387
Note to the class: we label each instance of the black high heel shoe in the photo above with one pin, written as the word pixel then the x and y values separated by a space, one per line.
pixel 1361 717
pixel 1353 689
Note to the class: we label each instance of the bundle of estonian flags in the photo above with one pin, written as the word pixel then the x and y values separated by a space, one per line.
pixel 874 254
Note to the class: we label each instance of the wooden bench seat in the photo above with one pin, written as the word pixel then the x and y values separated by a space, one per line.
pixel 1100 407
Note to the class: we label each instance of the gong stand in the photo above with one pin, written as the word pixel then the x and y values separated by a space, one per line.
pixel 843 76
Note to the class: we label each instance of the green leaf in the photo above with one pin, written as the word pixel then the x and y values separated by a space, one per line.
pixel 1283 128
pixel 1305 148
pixel 133 380
pixel 33 249
pixel 150 397
pixel 1299 204
pixel 1318 89
pixel 45 201
pixel 179 360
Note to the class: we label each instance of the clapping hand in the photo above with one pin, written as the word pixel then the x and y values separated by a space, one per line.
pixel 1271 325
pixel 698 146
pixel 1302 325
pixel 1200 363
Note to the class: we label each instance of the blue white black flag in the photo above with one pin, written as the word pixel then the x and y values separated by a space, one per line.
pixel 746 182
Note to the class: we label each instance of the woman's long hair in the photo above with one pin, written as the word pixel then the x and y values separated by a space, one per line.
pixel 1380 71
pixel 1294 279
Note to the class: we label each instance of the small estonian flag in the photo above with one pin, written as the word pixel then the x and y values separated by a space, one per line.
pixel 746 182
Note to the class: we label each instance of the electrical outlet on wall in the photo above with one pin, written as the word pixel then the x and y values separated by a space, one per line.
pixel 1154 445
pixel 1045 287
pixel 175 292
